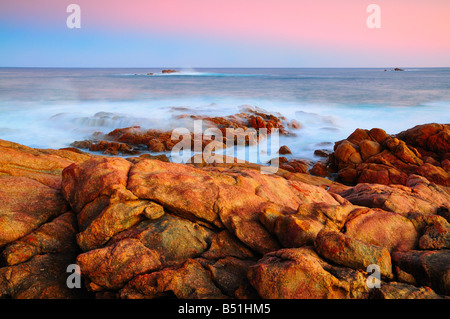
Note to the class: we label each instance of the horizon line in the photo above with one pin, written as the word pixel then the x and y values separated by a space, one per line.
pixel 222 67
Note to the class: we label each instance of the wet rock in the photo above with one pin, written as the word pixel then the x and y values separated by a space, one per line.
pixel 284 150
pixel 243 129
pixel 322 153
pixel 319 169
pixel 296 166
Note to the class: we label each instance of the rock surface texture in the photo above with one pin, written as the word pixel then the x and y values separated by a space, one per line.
pixel 147 228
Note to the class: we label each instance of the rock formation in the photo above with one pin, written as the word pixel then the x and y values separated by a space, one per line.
pixel 372 156
pixel 147 228
pixel 134 140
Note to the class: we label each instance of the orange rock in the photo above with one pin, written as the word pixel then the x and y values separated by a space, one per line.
pixel 378 135
pixel 433 137
pixel 346 251
pixel 190 281
pixel 131 140
pixel 299 273
pixel 419 150
pixel 113 266
pixel 296 230
pixel 348 154
pixel 26 204
pixel 37 237
pixel 435 231
pixel 348 175
pixel 153 229
pixel 319 169
pixel 284 150
pixel 97 176
pixel 44 166
pixel 369 148
pixel 389 230
pixel 446 165
pixel 295 166
pixel 55 236
pixel 434 173
pixel 168 71
pixel 418 192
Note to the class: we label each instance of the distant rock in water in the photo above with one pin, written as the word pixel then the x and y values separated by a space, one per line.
pixel 167 71
pixel 396 69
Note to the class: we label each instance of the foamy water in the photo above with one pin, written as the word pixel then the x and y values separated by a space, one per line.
pixel 51 108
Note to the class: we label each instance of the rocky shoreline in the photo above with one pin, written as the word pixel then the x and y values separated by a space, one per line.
pixel 141 227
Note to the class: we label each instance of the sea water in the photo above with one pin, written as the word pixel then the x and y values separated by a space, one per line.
pixel 51 108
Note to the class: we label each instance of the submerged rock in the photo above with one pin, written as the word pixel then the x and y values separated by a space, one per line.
pixel 134 140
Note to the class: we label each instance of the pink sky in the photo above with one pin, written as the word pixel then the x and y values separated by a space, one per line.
pixel 408 26
pixel 405 23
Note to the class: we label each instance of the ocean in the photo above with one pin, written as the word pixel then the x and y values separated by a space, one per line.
pixel 52 107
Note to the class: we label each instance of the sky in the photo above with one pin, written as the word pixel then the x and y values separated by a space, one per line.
pixel 225 33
